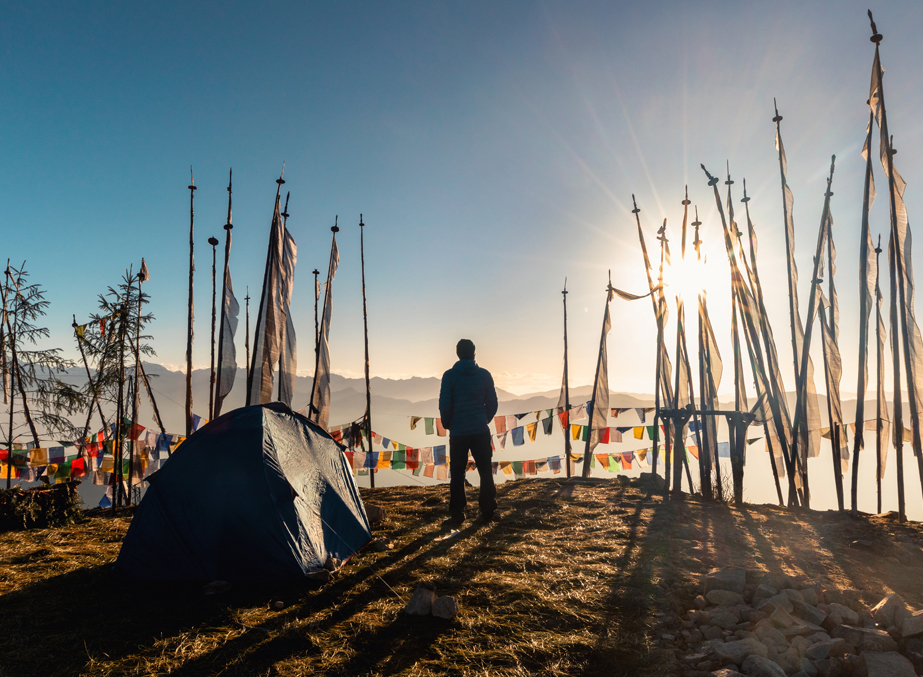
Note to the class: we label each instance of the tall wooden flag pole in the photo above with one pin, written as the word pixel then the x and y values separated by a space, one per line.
pixel 365 325
pixel 279 387
pixel 11 338
pixel 247 333
pixel 813 303
pixel 316 272
pixel 213 241
pixel 567 449
pixel 668 396
pixel 745 304
pixel 599 404
pixel 191 310
pixel 225 281
pixel 776 387
pixel 881 403
pixel 706 382
pixel 320 392
pixel 663 388
pixel 259 341
pixel 868 273
pixel 900 236
pixel 801 447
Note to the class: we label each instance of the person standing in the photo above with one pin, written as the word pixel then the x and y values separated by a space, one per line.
pixel 467 404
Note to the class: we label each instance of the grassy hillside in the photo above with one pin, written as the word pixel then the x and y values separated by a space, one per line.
pixel 575 579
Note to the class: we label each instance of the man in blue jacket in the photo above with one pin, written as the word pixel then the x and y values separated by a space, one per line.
pixel 467 404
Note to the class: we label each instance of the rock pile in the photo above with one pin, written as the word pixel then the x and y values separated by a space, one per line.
pixel 773 625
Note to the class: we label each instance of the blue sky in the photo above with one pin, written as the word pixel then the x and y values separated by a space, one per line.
pixel 492 149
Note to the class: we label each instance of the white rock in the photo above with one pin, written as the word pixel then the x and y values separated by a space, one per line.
pixel 421 601
pixel 912 625
pixel 446 607
pixel 849 616
pixel 757 666
pixel 887 664
pixel 737 652
pixel 726 579
pixel 891 610
pixel 724 597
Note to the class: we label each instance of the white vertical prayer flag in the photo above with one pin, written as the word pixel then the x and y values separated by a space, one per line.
pixel 320 398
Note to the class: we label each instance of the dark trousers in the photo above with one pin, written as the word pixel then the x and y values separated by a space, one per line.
pixel 479 446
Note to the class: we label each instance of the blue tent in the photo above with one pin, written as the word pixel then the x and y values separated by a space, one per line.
pixel 259 494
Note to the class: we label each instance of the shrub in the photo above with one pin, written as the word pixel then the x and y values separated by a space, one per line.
pixel 39 507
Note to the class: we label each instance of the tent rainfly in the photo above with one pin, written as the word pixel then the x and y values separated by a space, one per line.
pixel 259 494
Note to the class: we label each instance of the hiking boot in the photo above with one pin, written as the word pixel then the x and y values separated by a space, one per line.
pixel 454 521
pixel 488 517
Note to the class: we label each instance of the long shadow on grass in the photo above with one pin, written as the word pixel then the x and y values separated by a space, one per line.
pixel 398 643
pixel 621 646
pixel 60 624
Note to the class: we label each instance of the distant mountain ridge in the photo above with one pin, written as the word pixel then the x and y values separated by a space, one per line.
pixel 415 396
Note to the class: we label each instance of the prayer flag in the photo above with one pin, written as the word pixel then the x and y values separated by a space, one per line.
pixel 626 459
pixel 320 393
pixel 518 437
pixel 638 432
pixel 428 425
pixel 555 463
pixel 271 319
pixel 440 431
pixel 413 422
pixel 227 353
pixel 500 424
pixel 546 425
pixel 439 454
pixel 532 429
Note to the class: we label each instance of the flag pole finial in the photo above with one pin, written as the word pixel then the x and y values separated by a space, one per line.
pixel 361 224
pixel 876 36
pixel 228 225
pixel 712 180
pixel 778 118
pixel 565 278
pixel 686 202
pixel 213 241
pixel 745 198
pixel 284 213
pixel 192 185
pixel 280 180
pixel 635 203
pixel 877 249
pixel 829 192
pixel 335 228
pixel 728 182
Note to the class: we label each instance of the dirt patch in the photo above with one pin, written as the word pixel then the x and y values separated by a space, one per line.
pixel 575 579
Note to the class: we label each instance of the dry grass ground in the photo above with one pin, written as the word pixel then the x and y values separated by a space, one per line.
pixel 572 581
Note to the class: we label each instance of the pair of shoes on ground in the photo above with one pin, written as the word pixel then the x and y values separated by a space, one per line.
pixel 488 517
